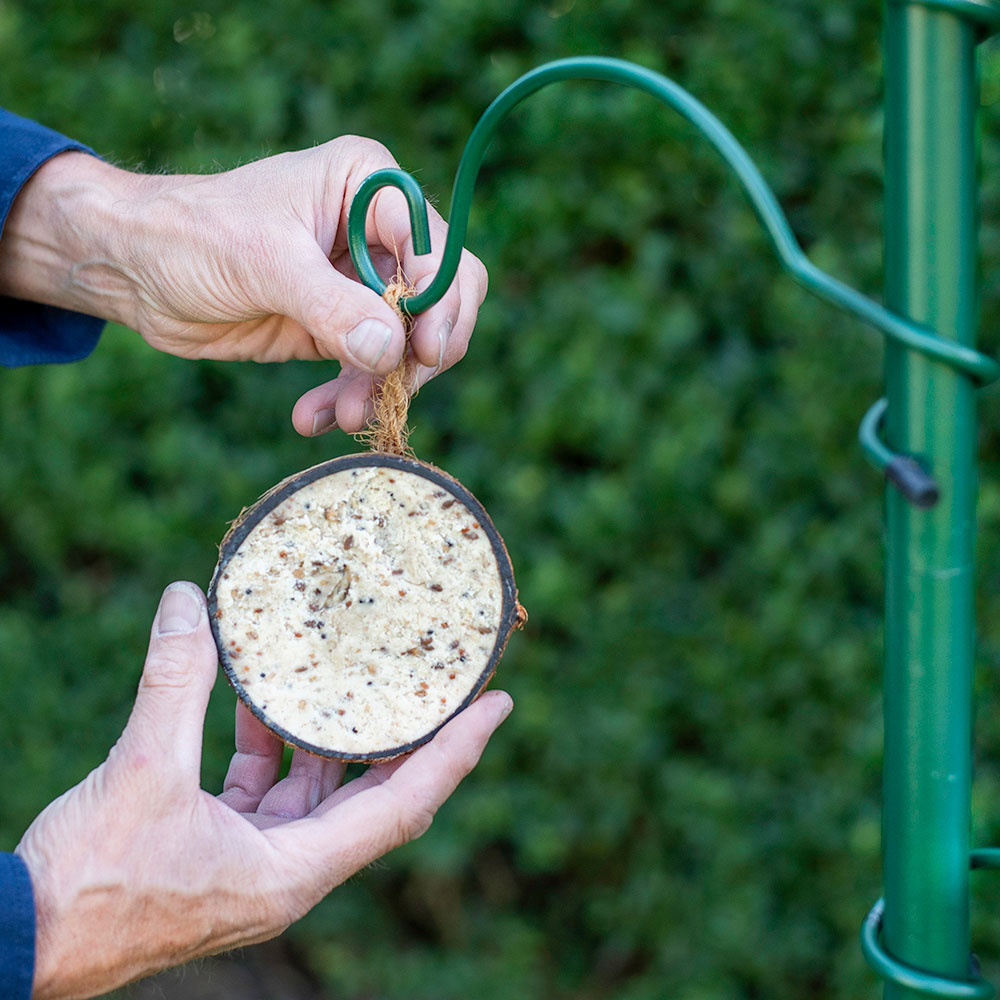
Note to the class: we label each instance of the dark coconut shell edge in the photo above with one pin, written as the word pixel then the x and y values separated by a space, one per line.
pixel 512 615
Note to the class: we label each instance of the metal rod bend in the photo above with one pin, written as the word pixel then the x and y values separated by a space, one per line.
pixel 358 214
pixel 913 335
pixel 903 471
pixel 908 977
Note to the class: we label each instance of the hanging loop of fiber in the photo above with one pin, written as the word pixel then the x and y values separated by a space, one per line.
pixel 387 432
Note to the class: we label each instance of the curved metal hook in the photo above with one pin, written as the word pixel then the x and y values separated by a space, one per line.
pixel 903 471
pixel 358 214
pixel 913 335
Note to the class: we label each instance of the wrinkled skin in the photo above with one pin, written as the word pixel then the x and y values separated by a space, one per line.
pixel 137 868
pixel 250 264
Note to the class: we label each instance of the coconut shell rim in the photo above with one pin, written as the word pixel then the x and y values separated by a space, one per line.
pixel 512 615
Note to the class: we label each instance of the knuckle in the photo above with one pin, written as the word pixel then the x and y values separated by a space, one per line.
pixel 342 145
pixel 340 142
pixel 375 151
pixel 362 151
pixel 414 823
pixel 167 668
pixel 411 817
pixel 326 317
pixel 479 274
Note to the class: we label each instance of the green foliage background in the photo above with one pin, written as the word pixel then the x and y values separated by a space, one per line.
pixel 685 802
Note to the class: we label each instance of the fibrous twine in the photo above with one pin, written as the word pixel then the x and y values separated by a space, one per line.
pixel 387 432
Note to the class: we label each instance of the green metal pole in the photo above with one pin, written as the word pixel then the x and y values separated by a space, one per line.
pixel 931 97
pixel 917 938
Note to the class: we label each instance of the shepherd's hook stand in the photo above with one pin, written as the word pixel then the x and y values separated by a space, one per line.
pixel 917 937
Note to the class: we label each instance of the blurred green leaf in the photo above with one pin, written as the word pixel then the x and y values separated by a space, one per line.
pixel 685 801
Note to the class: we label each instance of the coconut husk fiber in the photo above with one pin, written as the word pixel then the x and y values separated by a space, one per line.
pixel 387 432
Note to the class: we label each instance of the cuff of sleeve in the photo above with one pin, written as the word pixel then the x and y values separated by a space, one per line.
pixel 31 333
pixel 17 929
pixel 26 146
pixel 35 334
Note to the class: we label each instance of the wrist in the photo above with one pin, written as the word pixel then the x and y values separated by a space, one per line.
pixel 64 242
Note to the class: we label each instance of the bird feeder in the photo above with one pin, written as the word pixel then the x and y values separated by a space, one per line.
pixel 921 436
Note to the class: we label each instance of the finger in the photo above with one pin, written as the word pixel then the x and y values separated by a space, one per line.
pixel 310 779
pixel 452 319
pixel 384 261
pixel 456 346
pixel 347 320
pixel 433 329
pixel 346 402
pixel 389 224
pixel 376 774
pixel 387 264
pixel 333 777
pixel 433 326
pixel 315 411
pixel 356 403
pixel 474 287
pixel 390 247
pixel 458 342
pixel 255 765
pixel 262 821
pixel 399 809
pixel 169 713
pixel 440 339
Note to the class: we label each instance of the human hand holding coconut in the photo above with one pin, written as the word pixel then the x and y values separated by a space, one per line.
pixel 250 264
pixel 137 868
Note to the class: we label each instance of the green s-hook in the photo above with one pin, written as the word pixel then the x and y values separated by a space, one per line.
pixel 915 336
pixel 916 483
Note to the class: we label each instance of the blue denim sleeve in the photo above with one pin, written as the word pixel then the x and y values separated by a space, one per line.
pixel 32 333
pixel 17 929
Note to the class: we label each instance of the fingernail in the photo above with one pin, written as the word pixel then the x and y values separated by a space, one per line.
pixel 367 342
pixel 506 709
pixel 180 610
pixel 323 421
pixel 423 376
pixel 444 332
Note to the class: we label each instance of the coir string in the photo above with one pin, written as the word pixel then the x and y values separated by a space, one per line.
pixel 387 431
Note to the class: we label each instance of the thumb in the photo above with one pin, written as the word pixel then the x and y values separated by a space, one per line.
pixel 169 713
pixel 346 319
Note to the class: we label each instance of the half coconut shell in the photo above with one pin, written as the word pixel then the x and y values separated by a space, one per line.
pixel 361 604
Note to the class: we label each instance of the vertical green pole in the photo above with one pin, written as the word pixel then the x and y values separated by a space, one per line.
pixel 931 97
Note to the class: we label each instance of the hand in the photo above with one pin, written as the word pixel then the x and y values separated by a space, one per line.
pixel 251 264
pixel 136 868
